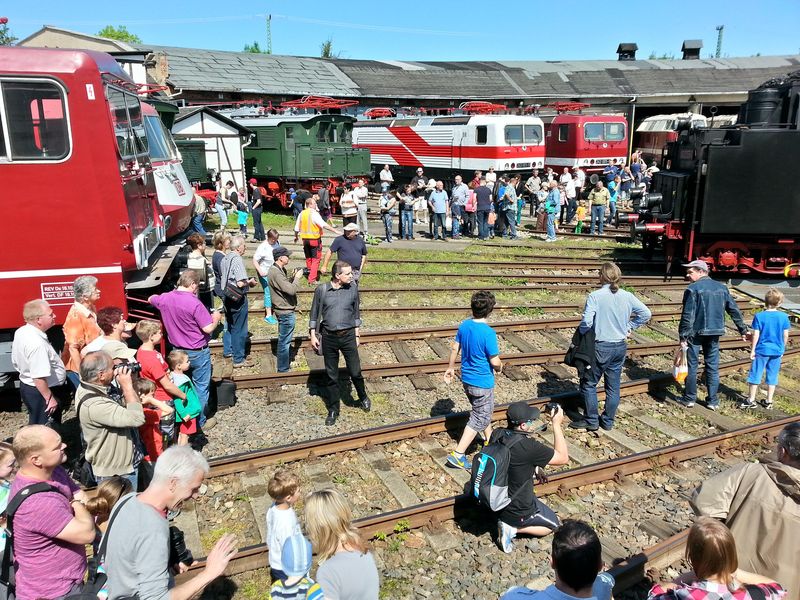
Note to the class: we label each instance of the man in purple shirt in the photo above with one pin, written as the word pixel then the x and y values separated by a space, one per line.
pixel 189 326
pixel 50 528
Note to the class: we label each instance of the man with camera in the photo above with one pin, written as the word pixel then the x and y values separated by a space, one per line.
pixel 525 513
pixel 106 425
pixel 283 288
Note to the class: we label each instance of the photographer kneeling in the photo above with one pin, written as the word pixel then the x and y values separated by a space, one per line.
pixel 108 427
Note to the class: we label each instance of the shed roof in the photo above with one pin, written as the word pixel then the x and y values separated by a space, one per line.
pixel 187 111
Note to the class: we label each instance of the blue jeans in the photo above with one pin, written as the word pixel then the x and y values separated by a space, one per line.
pixel 285 335
pixel 511 220
pixel 455 211
pixel 387 225
pixel 133 477
pixel 439 220
pixel 258 225
pixel 200 361
pixel 483 224
pixel 197 224
pixel 612 210
pixel 236 315
pixel 598 212
pixel 551 226
pixel 610 358
pixel 223 216
pixel 710 347
pixel 407 223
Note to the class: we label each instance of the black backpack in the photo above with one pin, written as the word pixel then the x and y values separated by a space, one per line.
pixel 489 481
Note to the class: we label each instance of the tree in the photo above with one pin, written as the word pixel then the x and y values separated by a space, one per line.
pixel 663 56
pixel 120 33
pixel 6 39
pixel 254 48
pixel 326 49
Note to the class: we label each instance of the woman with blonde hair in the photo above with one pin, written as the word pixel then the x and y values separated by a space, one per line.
pixel 611 313
pixel 711 550
pixel 347 569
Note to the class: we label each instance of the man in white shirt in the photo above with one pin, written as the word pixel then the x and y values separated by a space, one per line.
pixel 387 179
pixel 361 194
pixel 42 375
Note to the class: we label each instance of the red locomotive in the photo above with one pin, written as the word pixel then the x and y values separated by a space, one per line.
pixel 80 192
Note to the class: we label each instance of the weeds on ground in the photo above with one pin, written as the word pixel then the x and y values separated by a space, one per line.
pixel 527 311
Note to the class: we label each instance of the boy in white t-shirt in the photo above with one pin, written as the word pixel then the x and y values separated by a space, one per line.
pixel 284 489
pixel 262 261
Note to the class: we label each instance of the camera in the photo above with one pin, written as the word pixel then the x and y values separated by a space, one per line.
pixel 133 366
pixel 178 552
pixel 551 408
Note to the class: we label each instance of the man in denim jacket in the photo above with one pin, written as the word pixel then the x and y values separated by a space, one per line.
pixel 705 303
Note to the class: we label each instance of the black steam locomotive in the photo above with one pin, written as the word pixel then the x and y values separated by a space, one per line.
pixel 729 195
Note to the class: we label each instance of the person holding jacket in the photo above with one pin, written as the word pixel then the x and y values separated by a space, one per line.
pixel 551 207
pixel 705 303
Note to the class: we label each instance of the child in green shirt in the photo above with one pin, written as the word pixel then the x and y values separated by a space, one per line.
pixel 186 411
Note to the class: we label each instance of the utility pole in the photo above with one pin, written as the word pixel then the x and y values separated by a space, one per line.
pixel 720 28
pixel 269 34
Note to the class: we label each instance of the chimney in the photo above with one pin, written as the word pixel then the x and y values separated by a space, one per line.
pixel 627 51
pixel 691 49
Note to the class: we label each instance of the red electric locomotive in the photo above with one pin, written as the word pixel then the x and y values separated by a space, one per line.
pixel 79 191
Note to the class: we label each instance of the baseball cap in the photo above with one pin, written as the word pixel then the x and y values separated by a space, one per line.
pixel 281 251
pixel 348 227
pixel 520 412
pixel 697 264
pixel 119 350
pixel 296 556
pixel 252 180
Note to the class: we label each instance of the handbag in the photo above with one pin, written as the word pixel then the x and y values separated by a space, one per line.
pixel 492 218
pixel 231 291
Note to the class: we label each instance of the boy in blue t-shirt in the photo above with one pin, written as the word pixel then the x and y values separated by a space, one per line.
pixel 480 359
pixel 770 334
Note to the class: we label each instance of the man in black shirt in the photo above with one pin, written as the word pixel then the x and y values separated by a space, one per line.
pixel 483 197
pixel 526 513
pixel 258 209
pixel 335 314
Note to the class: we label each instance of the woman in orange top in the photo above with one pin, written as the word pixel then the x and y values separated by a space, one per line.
pixel 80 326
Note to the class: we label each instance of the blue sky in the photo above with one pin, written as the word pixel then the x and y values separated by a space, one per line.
pixel 443 30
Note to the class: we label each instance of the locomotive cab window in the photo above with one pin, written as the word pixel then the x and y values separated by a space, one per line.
pixel 563 132
pixel 614 132
pixel 129 129
pixel 593 132
pixel 480 134
pixel 533 134
pixel 513 134
pixel 33 124
pixel 347 133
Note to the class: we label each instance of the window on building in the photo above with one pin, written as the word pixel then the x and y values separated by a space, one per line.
pixel 36 121
pixel 563 132
pixel 481 134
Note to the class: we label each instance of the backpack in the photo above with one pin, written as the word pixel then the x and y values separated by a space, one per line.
pixel 489 481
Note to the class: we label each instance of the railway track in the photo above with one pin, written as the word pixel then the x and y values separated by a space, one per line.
pixel 409 506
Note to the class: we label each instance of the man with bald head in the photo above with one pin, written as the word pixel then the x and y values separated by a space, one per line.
pixel 50 528
pixel 42 375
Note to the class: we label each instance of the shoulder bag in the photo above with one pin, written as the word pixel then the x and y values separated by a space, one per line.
pixel 230 290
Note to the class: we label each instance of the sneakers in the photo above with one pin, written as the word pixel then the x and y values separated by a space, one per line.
pixel 271 320
pixel 747 404
pixel 459 461
pixel 505 536
pixel 766 404
pixel 684 402
pixel 581 424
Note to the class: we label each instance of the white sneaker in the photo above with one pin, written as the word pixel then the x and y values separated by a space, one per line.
pixel 505 536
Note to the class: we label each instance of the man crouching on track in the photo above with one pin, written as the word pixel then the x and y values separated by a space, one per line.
pixel 335 314
pixel 525 513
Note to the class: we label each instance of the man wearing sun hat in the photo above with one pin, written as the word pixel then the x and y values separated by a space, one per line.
pixel 525 513
pixel 705 303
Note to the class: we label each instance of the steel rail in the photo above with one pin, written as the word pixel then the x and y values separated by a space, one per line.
pixel 540 263
pixel 588 278
pixel 661 311
pixel 258 459
pixel 435 512
pixel 259 380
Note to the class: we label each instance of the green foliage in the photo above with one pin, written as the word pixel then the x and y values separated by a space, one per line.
pixel 380 536
pixel 254 48
pixel 6 39
pixel 326 49
pixel 120 33
pixel 340 479
pixel 402 525
pixel 526 311
pixel 663 56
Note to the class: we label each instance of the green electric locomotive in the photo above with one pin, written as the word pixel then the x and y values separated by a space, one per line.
pixel 301 151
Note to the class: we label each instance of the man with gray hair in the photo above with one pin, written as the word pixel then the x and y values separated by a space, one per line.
pixel 137 555
pixel 760 504
pixel 42 376
pixel 234 275
pixel 107 427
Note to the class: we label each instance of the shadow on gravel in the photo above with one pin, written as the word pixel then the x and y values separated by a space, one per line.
pixel 222 588
pixel 443 406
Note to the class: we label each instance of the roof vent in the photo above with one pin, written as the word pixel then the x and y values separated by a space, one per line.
pixel 627 51
pixel 691 49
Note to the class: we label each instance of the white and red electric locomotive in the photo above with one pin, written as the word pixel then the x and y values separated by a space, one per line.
pixel 445 146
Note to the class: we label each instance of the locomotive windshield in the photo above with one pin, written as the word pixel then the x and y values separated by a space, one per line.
pixel 126 115
pixel 162 147
pixel 34 126
pixel 604 132
pixel 523 134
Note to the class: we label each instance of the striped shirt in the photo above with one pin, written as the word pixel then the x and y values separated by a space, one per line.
pixel 233 270
pixel 305 589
